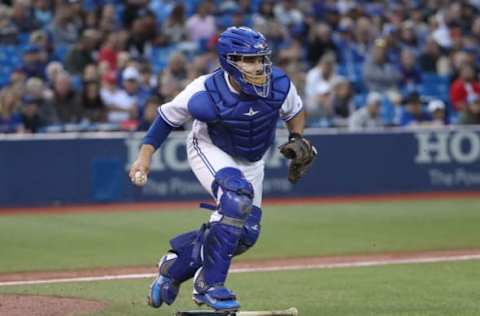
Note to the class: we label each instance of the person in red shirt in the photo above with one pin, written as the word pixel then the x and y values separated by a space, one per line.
pixel 464 89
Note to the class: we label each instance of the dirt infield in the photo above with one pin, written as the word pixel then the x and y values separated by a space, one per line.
pixel 16 305
pixel 21 305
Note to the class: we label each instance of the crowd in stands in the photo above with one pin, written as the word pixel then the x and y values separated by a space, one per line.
pixel 96 65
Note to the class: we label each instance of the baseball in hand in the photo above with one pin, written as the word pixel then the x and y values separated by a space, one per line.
pixel 140 178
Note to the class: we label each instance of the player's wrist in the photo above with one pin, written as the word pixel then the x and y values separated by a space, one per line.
pixel 294 135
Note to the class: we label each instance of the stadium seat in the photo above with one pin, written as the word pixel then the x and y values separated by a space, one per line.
pixel 160 56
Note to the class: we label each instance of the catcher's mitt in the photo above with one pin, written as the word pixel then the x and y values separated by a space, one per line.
pixel 301 153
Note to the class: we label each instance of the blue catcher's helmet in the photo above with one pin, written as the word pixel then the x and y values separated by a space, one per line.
pixel 237 43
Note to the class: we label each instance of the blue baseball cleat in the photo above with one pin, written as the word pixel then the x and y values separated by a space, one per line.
pixel 219 298
pixel 162 290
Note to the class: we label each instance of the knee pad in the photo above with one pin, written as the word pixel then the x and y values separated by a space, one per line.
pixel 251 231
pixel 234 193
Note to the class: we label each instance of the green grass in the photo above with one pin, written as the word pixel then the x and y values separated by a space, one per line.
pixel 70 241
pixel 413 290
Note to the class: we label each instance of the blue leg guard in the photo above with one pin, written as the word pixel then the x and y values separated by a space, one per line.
pixel 174 268
pixel 251 231
pixel 222 238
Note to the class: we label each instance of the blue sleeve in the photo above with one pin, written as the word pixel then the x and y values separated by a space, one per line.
pixel 157 132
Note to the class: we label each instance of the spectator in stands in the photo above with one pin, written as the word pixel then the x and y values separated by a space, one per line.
pixel 81 53
pixel 132 86
pixel 201 26
pixel 36 88
pixel 408 37
pixel 440 31
pixel 65 29
pixel 30 115
pixel 341 102
pixel 264 21
pixel 319 81
pixel 430 56
pixel 414 114
pixel 42 11
pixel 436 108
pixel 142 33
pixel 364 32
pixel 148 81
pixel 66 100
pixel 41 39
pixel 34 62
pixel 368 116
pixel 289 15
pixel 380 75
pixel 93 108
pixel 420 26
pixel 52 70
pixel 174 77
pixel 10 118
pixel 447 45
pixel 471 114
pixel 175 25
pixel 396 108
pixel 349 54
pixel 319 42
pixel 150 113
pixel 22 16
pixel 239 19
pixel 475 32
pixel 122 104
pixel 464 89
pixel 17 81
pixel 91 73
pixel 8 30
pixel 109 89
pixel 109 51
pixel 109 22
pixel 411 73
pixel 133 9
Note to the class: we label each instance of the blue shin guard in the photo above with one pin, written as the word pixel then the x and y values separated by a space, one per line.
pixel 251 231
pixel 222 238
pixel 174 268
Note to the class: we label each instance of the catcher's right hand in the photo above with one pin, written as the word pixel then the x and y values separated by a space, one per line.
pixel 301 153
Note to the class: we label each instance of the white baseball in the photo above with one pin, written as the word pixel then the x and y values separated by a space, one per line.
pixel 140 178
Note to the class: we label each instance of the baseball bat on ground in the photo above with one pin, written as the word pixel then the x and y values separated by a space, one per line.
pixel 292 311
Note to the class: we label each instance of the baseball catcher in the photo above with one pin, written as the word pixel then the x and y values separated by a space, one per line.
pixel 235 111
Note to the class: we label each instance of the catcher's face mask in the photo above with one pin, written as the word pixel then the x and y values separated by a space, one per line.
pixel 256 70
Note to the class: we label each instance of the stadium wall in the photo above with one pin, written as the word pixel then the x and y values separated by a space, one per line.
pixel 89 168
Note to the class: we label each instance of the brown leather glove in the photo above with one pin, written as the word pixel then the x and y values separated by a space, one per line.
pixel 301 154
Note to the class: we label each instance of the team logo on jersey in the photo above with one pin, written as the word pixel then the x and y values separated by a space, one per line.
pixel 251 112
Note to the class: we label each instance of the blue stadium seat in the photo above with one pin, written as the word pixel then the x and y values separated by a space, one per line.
pixel 160 56
pixel 359 100
pixel 23 38
pixel 61 51
pixel 161 10
pixel 439 91
pixel 433 78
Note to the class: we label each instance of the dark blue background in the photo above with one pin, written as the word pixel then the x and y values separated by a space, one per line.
pixel 81 170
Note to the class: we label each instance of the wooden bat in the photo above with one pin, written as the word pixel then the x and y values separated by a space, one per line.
pixel 292 311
